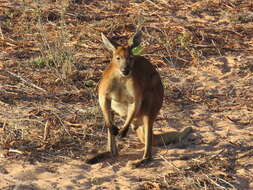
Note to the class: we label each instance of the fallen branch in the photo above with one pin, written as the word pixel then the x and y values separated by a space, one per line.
pixel 25 81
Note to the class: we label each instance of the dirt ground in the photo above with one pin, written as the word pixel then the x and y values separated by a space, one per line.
pixel 52 57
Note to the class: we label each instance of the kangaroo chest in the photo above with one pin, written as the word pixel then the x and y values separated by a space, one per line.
pixel 122 91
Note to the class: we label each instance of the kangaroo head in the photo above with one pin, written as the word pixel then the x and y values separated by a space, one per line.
pixel 122 55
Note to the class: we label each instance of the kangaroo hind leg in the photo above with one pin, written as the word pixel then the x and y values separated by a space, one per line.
pixel 144 133
pixel 112 150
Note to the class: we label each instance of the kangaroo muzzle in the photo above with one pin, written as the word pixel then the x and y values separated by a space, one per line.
pixel 125 71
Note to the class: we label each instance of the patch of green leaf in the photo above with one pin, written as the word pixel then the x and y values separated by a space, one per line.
pixel 42 62
pixel 184 40
pixel 90 83
pixel 137 50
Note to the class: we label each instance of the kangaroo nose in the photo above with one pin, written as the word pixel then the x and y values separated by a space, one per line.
pixel 125 71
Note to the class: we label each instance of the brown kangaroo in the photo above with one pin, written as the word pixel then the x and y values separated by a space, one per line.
pixel 132 88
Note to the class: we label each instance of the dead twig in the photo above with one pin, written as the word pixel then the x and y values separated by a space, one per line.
pixel 245 154
pixel 215 155
pixel 213 182
pixel 62 124
pixel 173 165
pixel 208 159
pixel 218 185
pixel 46 131
pixel 16 151
pixel 8 42
pixel 1 32
pixel 227 183
pixel 27 82
pixel 216 47
pixel 74 124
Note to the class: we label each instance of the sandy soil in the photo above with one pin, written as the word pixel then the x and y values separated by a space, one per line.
pixel 217 130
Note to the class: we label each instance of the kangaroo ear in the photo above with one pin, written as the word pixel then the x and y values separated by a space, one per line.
pixel 135 40
pixel 107 43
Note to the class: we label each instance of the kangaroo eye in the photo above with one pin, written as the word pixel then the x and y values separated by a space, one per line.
pixel 118 58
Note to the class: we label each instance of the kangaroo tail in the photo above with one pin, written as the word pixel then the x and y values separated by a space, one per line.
pixel 165 138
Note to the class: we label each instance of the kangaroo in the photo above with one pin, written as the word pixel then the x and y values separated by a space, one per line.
pixel 132 88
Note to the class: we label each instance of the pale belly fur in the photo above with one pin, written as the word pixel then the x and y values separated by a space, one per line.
pixel 119 108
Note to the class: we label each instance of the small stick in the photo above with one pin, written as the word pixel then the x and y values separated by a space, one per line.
pixel 214 182
pixel 1 32
pixel 62 123
pixel 227 183
pixel 25 81
pixel 46 131
pixel 217 154
pixel 173 165
pixel 16 151
pixel 227 131
pixel 245 154
pixel 211 158
pixel 74 124
pixel 216 48
pixel 154 4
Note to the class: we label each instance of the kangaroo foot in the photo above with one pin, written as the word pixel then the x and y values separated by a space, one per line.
pixel 139 163
pixel 99 157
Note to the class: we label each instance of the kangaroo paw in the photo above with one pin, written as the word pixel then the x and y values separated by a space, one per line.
pixel 114 130
pixel 123 132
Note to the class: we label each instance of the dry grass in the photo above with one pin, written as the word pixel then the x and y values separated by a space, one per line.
pixel 51 58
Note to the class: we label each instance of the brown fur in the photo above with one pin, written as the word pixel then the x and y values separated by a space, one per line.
pixel 137 97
